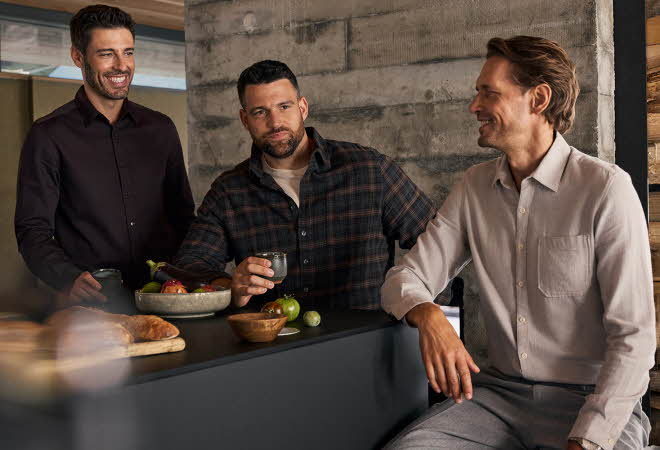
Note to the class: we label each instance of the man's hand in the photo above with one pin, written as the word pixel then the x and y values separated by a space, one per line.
pixel 85 288
pixel 246 281
pixel 447 362
pixel 572 445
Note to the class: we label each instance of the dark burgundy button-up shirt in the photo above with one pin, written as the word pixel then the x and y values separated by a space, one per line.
pixel 91 194
pixel 354 204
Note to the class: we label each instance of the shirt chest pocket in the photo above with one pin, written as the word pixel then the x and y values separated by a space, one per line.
pixel 564 265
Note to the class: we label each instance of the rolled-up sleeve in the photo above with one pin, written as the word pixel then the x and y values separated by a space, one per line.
pixel 623 265
pixel 438 256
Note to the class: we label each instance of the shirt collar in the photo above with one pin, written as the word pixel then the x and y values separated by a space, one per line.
pixel 549 171
pixel 319 161
pixel 89 113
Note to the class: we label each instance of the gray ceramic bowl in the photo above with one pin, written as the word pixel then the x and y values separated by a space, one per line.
pixel 183 306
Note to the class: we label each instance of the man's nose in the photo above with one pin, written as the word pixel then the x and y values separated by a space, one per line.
pixel 475 107
pixel 120 63
pixel 274 119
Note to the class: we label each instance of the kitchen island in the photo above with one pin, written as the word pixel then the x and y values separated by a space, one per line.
pixel 350 383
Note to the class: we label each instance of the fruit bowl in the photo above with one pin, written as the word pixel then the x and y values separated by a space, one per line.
pixel 257 327
pixel 183 306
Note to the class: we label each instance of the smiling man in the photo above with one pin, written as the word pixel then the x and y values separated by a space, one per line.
pixel 335 208
pixel 102 182
pixel 560 248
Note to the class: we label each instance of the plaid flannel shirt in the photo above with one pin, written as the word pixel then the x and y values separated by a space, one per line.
pixel 354 204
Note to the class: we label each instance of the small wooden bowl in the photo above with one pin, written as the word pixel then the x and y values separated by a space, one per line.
pixel 257 327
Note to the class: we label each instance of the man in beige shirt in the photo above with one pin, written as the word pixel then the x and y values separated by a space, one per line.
pixel 559 244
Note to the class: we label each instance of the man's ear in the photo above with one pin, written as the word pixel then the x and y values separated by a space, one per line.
pixel 304 107
pixel 541 96
pixel 77 57
pixel 243 115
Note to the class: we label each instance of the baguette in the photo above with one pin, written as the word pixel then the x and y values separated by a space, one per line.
pixel 150 328
pixel 141 327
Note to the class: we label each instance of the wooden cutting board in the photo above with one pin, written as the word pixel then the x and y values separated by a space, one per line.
pixel 43 363
pixel 137 349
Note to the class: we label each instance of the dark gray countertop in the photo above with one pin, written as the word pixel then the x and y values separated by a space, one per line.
pixel 210 341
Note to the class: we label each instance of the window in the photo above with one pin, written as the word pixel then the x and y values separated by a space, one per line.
pixel 44 50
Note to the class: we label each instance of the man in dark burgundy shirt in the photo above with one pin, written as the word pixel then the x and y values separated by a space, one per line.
pixel 102 182
pixel 335 208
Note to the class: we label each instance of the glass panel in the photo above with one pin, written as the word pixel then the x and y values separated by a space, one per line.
pixel 42 50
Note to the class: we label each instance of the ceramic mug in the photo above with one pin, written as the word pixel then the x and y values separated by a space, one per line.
pixel 277 265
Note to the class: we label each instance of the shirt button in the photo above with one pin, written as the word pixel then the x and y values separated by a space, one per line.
pixel 306 289
pixel 520 246
pixel 523 210
pixel 132 224
pixel 523 355
pixel 303 233
pixel 305 261
pixel 610 441
pixel 520 284
pixel 521 319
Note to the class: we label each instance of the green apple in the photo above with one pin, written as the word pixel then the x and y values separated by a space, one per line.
pixel 290 307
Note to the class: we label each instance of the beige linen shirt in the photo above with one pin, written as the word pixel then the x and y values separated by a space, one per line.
pixel 564 273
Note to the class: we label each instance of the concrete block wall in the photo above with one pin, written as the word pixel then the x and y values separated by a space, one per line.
pixel 396 75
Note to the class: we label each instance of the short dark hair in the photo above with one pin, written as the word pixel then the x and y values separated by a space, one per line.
pixel 97 16
pixel 536 61
pixel 265 72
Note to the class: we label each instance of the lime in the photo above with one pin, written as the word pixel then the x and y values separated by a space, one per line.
pixel 199 290
pixel 312 318
pixel 151 287
pixel 290 307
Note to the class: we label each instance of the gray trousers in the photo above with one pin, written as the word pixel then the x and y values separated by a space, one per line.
pixel 507 413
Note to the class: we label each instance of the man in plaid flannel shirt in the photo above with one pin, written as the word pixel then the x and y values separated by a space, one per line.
pixel 336 208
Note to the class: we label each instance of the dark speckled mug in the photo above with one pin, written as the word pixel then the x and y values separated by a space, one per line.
pixel 277 264
pixel 111 282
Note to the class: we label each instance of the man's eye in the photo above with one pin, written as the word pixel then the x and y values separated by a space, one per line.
pixel 258 113
pixel 106 54
pixel 286 106
pixel 130 53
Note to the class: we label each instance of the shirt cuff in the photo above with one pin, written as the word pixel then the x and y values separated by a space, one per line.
pixel 585 443
pixel 402 291
pixel 594 429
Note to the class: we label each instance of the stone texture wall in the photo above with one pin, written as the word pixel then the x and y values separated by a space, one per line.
pixel 396 75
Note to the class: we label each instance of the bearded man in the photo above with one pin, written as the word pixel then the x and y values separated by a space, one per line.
pixel 102 181
pixel 335 208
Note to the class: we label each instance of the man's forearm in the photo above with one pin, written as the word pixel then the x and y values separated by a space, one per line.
pixel 420 313
pixel 48 261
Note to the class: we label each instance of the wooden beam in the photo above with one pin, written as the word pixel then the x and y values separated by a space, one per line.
pixel 156 13
pixel 653 31
pixel 654 173
pixel 654 204
pixel 653 123
pixel 654 384
pixel 655 401
pixel 652 57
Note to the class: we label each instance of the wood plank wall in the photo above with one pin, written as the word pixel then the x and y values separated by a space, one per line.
pixel 653 125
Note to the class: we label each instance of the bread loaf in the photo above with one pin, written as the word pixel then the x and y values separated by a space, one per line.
pixel 150 328
pixel 81 339
pixel 141 327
